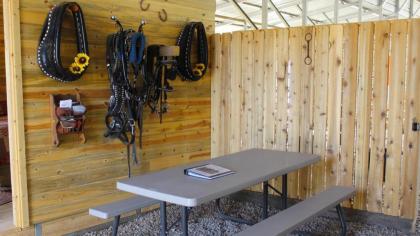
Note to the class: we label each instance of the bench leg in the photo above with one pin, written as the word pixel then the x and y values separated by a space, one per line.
pixel 265 200
pixel 342 220
pixel 115 225
pixel 163 221
pixel 284 191
pixel 184 220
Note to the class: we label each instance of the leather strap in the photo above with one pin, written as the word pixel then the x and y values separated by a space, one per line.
pixel 186 69
pixel 159 72
pixel 128 96
pixel 49 58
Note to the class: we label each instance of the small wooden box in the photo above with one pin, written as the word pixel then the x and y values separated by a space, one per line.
pixel 55 121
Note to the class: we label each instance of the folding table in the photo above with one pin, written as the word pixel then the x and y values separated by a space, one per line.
pixel 251 167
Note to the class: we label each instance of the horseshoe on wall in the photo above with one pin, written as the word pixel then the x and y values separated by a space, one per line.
pixel 144 8
pixel 164 17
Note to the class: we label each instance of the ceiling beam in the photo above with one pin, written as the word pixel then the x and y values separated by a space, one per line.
pixel 286 13
pixel 313 21
pixel 225 19
pixel 254 13
pixel 365 10
pixel 328 18
pixel 243 13
pixel 278 13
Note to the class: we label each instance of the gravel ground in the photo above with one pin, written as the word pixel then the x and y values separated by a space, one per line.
pixel 204 221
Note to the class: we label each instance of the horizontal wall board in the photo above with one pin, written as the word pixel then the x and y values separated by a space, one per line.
pixel 73 177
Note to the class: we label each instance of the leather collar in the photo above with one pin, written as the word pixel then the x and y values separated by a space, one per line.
pixel 49 58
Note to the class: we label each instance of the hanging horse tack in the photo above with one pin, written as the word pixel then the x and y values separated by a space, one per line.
pixel 125 53
pixel 48 54
pixel 142 7
pixel 308 38
pixel 163 17
pixel 189 70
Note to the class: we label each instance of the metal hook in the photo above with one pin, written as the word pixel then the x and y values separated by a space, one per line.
pixel 142 24
pixel 144 8
pixel 164 17
pixel 117 22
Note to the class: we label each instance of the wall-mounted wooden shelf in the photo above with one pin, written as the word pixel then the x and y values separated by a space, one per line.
pixel 57 128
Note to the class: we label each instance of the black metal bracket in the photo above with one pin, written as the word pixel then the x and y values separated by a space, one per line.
pixel 275 190
pixel 342 220
pixel 416 126
pixel 308 59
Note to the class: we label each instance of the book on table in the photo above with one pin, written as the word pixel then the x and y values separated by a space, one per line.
pixel 209 171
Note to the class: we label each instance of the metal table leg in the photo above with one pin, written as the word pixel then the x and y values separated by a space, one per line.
pixel 284 191
pixel 163 222
pixel 115 225
pixel 342 220
pixel 184 220
pixel 265 200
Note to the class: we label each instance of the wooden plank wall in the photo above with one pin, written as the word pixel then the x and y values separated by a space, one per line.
pixel 2 68
pixel 353 106
pixel 70 179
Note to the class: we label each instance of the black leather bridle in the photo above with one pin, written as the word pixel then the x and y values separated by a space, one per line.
pixel 49 58
pixel 128 96
pixel 186 69
pixel 159 71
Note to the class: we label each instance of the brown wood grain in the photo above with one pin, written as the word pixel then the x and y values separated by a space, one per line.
pixel 395 117
pixel 69 179
pixel 320 106
pixel 353 106
pixel 363 113
pixel 350 57
pixel 379 102
pixel 411 181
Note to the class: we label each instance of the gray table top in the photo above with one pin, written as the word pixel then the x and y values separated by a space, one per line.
pixel 251 166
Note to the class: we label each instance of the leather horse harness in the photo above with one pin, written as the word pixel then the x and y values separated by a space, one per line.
pixel 49 58
pixel 185 42
pixel 138 76
pixel 151 70
pixel 125 49
pixel 161 67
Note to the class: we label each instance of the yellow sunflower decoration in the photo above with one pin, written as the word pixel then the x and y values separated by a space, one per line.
pixel 199 69
pixel 81 61
pixel 76 68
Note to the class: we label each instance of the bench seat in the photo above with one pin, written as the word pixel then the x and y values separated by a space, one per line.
pixel 287 220
pixel 117 208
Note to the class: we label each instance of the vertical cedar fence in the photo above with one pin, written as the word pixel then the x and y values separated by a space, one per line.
pixel 354 105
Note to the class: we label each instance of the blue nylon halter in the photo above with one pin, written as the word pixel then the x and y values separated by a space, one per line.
pixel 136 53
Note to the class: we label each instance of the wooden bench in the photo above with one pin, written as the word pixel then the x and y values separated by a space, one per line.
pixel 115 209
pixel 287 220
